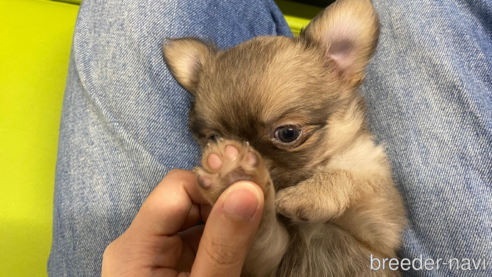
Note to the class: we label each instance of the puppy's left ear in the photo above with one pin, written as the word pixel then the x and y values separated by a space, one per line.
pixel 186 58
pixel 347 31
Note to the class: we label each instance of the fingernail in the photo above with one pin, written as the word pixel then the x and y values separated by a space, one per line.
pixel 242 202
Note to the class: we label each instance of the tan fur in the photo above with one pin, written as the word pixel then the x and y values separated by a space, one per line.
pixel 330 201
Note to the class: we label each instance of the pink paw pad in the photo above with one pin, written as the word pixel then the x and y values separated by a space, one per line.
pixel 204 181
pixel 231 152
pixel 251 159
pixel 225 163
pixel 214 161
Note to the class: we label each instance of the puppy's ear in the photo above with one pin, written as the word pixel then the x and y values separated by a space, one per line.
pixel 186 58
pixel 348 32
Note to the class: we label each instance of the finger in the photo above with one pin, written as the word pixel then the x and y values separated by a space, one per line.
pixel 205 212
pixel 229 231
pixel 168 207
pixel 192 219
pixel 190 238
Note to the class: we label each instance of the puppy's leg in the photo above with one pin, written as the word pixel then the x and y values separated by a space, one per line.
pixel 320 198
pixel 371 211
pixel 226 162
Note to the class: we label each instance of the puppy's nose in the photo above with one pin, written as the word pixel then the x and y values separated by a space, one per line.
pixel 215 138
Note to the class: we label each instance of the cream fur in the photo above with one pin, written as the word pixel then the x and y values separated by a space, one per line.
pixel 330 201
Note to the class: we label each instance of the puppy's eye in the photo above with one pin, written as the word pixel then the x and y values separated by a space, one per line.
pixel 287 134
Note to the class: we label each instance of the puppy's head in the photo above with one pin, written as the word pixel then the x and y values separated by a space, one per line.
pixel 294 100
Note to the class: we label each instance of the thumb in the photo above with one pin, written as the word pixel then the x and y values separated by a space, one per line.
pixel 229 231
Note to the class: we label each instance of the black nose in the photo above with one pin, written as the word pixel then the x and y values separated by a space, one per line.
pixel 214 138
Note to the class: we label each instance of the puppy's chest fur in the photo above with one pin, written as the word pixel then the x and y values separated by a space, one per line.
pixel 344 226
pixel 286 113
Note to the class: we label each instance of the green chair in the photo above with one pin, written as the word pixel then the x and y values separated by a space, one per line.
pixel 36 37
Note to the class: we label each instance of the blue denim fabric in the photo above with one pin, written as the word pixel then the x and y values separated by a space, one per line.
pixel 124 122
pixel 429 91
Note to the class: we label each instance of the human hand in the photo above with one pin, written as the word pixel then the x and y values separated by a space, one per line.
pixel 164 241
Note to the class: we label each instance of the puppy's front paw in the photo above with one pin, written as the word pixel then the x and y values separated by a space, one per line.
pixel 300 203
pixel 225 162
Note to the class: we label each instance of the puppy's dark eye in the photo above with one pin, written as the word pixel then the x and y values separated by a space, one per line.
pixel 287 134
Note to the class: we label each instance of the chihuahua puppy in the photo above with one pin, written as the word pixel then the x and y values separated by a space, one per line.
pixel 286 113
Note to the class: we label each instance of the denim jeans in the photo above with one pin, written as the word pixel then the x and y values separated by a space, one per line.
pixel 124 122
